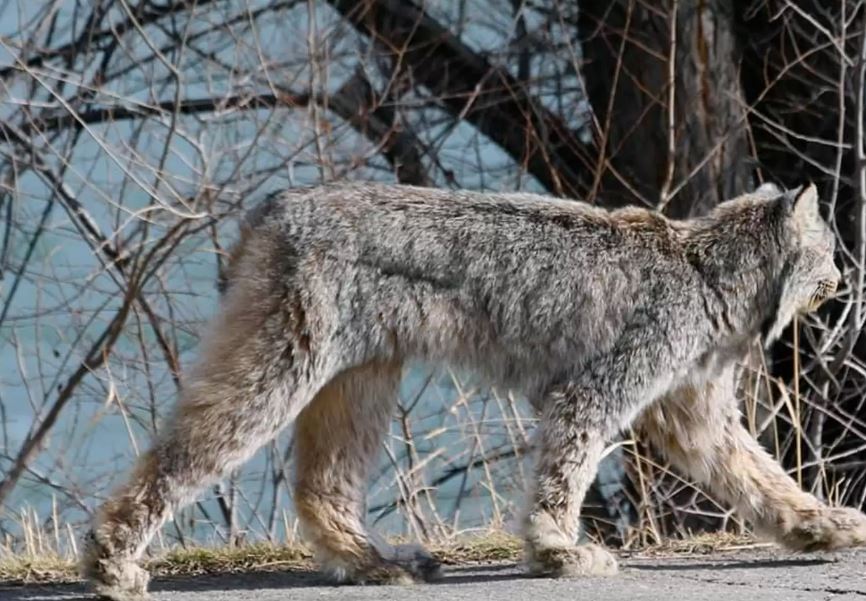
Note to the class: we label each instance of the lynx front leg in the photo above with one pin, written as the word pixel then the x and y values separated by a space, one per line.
pixel 567 452
pixel 699 431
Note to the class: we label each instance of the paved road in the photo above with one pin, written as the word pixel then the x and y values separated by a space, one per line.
pixel 764 575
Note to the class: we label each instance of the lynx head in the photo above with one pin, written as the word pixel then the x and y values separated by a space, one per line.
pixel 809 275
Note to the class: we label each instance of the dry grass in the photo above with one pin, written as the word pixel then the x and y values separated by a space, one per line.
pixel 16 569
pixel 51 568
pixel 488 547
pixel 253 558
pixel 702 544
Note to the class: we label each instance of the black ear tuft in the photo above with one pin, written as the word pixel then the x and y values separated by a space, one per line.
pixel 806 193
pixel 789 198
pixel 806 203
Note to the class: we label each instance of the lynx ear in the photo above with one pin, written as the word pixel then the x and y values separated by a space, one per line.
pixel 806 205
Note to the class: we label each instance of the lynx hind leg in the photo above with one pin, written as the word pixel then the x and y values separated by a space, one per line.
pixel 337 438
pixel 700 432
pixel 204 442
pixel 242 395
pixel 567 453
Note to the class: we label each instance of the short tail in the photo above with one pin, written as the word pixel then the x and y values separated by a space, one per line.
pixel 252 220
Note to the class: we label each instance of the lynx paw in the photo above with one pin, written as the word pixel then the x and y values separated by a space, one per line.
pixel 111 577
pixel 827 529
pixel 402 564
pixel 572 562
pixel 416 560
pixel 119 581
pixel 382 573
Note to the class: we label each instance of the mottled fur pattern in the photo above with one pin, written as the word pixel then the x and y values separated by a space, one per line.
pixel 602 319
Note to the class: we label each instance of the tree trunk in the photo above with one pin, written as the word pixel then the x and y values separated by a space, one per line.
pixel 704 158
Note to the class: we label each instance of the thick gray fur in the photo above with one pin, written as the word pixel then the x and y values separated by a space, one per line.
pixel 602 319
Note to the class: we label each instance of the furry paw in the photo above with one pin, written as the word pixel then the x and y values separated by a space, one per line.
pixel 416 560
pixel 827 529
pixel 387 564
pixel 119 581
pixel 572 562
pixel 111 577
pixel 384 572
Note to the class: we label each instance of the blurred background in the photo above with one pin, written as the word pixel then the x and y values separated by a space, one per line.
pixel 135 133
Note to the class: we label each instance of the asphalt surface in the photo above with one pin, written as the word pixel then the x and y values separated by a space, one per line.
pixel 764 575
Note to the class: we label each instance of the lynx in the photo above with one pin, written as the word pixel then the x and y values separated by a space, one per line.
pixel 603 320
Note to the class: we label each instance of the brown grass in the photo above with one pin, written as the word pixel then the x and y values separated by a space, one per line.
pixel 488 547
